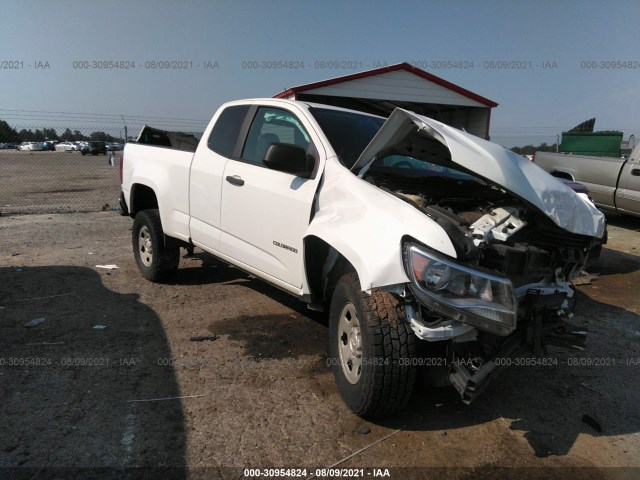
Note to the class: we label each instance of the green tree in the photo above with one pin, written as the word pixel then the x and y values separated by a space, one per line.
pixel 26 135
pixel 98 136
pixel 531 149
pixel 8 134
pixel 50 134
pixel 67 136
pixel 77 135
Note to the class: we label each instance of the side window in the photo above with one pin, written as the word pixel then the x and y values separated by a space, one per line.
pixel 225 132
pixel 272 125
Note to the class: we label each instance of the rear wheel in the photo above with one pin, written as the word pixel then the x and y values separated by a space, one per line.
pixel 155 261
pixel 371 349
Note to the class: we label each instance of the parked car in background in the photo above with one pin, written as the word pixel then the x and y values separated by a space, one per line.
pixel 115 147
pixel 8 146
pixel 94 148
pixel 31 146
pixel 614 183
pixel 67 147
pixel 50 145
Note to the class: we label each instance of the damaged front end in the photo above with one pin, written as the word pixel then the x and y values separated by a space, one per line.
pixel 520 238
pixel 486 318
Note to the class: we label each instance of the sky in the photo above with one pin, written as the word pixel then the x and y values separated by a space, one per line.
pixel 549 64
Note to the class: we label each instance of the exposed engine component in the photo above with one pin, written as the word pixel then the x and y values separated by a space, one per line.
pixel 499 224
pixel 493 230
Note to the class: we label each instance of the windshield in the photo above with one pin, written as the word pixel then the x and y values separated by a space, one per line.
pixel 348 132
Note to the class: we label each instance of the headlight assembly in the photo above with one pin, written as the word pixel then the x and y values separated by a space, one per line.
pixel 470 296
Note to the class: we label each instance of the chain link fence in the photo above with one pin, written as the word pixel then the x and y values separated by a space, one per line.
pixel 75 172
pixel 41 176
pixel 48 165
pixel 43 171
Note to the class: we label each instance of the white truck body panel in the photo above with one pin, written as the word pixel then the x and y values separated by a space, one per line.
pixel 366 225
pixel 166 172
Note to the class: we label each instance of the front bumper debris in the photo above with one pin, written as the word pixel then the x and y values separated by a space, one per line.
pixel 543 325
pixel 471 382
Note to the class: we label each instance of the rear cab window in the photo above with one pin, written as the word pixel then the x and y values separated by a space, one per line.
pixel 224 134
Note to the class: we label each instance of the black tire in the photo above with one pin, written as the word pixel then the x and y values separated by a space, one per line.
pixel 387 344
pixel 155 261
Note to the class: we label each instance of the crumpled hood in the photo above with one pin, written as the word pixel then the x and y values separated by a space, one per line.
pixel 496 165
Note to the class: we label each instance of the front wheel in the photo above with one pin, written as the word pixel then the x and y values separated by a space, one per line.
pixel 371 349
pixel 155 261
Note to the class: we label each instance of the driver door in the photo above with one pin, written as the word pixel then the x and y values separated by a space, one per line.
pixel 264 212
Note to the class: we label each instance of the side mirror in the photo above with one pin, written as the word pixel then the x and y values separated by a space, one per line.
pixel 289 158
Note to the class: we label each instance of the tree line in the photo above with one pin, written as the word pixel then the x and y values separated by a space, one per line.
pixel 10 134
pixel 530 149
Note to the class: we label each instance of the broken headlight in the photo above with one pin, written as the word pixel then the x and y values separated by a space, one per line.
pixel 470 296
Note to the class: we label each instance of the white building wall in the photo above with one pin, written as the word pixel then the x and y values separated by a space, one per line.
pixel 396 85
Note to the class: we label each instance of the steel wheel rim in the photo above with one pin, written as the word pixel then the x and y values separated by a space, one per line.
pixel 145 246
pixel 350 343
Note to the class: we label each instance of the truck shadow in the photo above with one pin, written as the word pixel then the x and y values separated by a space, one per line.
pixel 206 269
pixel 612 262
pixel 70 387
pixel 624 221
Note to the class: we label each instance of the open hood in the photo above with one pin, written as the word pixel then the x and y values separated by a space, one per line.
pixel 406 132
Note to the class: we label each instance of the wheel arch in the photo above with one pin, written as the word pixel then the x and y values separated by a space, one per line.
pixel 142 197
pixel 323 267
pixel 563 174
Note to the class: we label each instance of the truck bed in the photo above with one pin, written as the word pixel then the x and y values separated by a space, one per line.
pixel 167 170
pixel 163 138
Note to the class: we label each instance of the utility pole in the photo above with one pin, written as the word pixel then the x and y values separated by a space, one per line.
pixel 126 136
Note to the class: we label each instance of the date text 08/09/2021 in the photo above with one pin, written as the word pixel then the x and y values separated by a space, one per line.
pixel 316 473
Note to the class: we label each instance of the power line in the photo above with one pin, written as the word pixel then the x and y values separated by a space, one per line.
pixel 104 115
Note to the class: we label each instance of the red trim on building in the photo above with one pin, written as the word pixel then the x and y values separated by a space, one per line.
pixel 391 68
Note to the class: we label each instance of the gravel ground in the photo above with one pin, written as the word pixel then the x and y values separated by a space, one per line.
pixel 44 182
pixel 95 385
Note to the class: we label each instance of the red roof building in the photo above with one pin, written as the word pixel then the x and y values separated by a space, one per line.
pixel 381 90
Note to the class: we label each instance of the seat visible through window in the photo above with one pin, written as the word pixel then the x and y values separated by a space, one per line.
pixel 264 142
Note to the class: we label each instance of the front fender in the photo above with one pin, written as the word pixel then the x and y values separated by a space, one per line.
pixel 366 225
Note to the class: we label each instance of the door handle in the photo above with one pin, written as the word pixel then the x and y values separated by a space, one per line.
pixel 635 172
pixel 235 180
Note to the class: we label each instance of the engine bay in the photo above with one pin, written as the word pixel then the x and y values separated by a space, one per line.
pixel 490 228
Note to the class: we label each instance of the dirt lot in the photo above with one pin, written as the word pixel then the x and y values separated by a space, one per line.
pixel 42 182
pixel 74 395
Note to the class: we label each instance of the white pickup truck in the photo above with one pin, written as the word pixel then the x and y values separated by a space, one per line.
pixel 427 245
pixel 613 183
